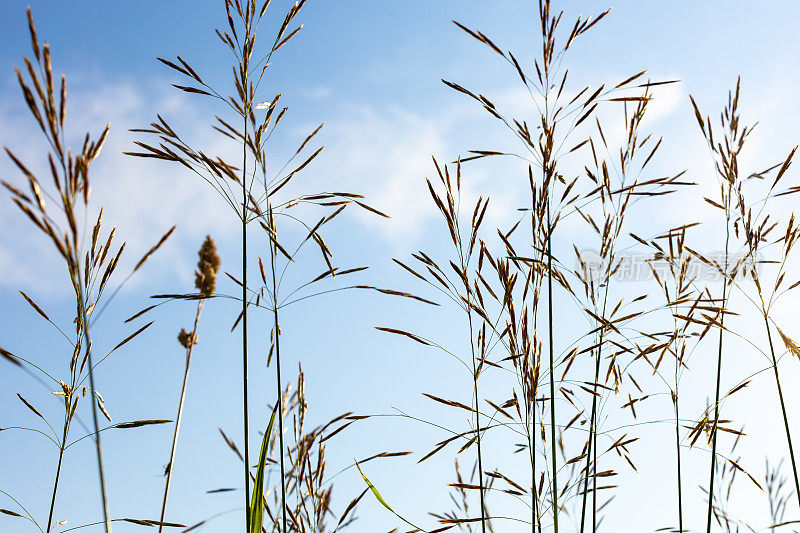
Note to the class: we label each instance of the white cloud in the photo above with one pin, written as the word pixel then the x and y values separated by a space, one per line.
pixel 385 156
pixel 381 152
pixel 142 198
pixel 317 93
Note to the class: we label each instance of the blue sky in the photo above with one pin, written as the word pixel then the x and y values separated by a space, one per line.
pixel 371 72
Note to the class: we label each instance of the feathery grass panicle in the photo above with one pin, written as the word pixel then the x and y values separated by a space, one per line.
pixel 238 35
pixel 753 222
pixel 544 146
pixel 255 188
pixel 90 260
pixel 726 162
pixel 309 488
pixel 466 260
pixel 554 409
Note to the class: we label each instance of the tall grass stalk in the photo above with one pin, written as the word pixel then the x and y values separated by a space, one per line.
pixel 235 183
pixel 90 263
pixel 205 283
pixel 246 108
pixel 554 494
pixel 276 331
pixel 784 414
pixel 245 365
pixel 679 266
pixel 476 369
pixel 723 304
pixel 683 300
pixel 465 293
pixel 450 209
pixel 756 231
pixel 615 194
pixel 545 142
pixel 75 187
pixel 239 39
pixel 174 447
pixel 95 424
pixel 727 168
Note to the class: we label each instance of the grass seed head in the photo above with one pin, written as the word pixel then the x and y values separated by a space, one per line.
pixel 187 339
pixel 207 268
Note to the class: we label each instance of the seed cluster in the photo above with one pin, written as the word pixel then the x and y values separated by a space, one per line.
pixel 207 268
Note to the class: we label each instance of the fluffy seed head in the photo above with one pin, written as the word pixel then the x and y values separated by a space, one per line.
pixel 207 268
pixel 187 339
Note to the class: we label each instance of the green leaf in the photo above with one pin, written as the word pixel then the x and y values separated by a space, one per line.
pixel 256 505
pixel 381 500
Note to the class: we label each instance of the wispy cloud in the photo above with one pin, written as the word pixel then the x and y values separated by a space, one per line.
pixel 142 198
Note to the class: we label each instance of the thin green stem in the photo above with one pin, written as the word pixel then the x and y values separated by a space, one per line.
pixel 593 436
pixel 591 452
pixel 530 407
pixel 532 454
pixel 552 375
pixel 719 373
pixel 783 409
pixel 477 411
pixel 678 453
pixel 98 446
pixel 591 442
pixel 273 254
pixel 593 424
pixel 675 399
pixel 171 463
pixel 245 401
pixel 58 473
pixel 79 290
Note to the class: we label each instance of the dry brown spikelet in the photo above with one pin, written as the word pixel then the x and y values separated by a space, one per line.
pixel 207 268
pixel 187 339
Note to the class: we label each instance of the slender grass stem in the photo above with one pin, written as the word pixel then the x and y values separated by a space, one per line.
pixel 591 442
pixel 678 451
pixel 477 415
pixel 719 373
pixel 783 409
pixel 179 416
pixel 552 375
pixel 530 428
pixel 675 400
pixel 96 426
pixel 58 473
pixel 273 254
pixel 591 452
pixel 530 407
pixel 78 283
pixel 594 474
pixel 534 493
pixel 245 400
